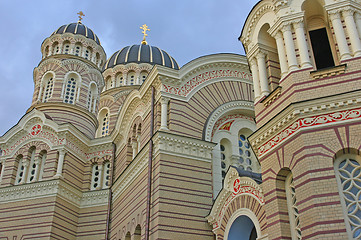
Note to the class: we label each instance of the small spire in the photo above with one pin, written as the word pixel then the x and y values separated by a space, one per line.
pixel 81 15
pixel 145 29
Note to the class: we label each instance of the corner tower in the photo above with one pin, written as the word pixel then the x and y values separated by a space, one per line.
pixel 305 61
pixel 68 79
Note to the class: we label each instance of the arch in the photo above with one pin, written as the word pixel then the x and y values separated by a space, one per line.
pixel 88 53
pixel 104 120
pixel 131 78
pixel 71 87
pixel 319 34
pixel 92 96
pixel 55 47
pixel 78 49
pixel 242 228
pixel 143 75
pixel 127 236
pixel 66 47
pixel 348 175
pixel 119 79
pixel 46 86
pixel 138 233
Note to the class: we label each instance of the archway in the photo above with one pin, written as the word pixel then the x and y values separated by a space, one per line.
pixel 242 229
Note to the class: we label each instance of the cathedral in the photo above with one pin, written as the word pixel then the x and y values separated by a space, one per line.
pixel 227 147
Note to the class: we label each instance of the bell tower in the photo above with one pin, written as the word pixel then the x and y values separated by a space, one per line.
pixel 68 80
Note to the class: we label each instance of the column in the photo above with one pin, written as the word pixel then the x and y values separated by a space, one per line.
pixel 25 171
pixel 358 22
pixel 37 168
pixel 100 169
pixel 2 168
pixel 255 76
pixel 290 48
pixel 352 32
pixel 72 48
pixel 340 35
pixel 94 103
pixel 137 73
pixel 50 50
pixel 302 45
pixel 59 169
pixel 262 69
pixel 40 91
pixel 164 114
pixel 60 48
pixel 281 54
pixel 125 80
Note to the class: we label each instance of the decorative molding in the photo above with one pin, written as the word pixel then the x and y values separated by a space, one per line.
pixel 220 122
pixel 234 186
pixel 220 112
pixel 183 146
pixel 308 122
pixel 54 188
pixel 328 72
pixel 188 86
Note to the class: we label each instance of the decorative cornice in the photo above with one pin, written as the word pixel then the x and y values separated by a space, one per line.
pixel 272 96
pixel 54 188
pixel 182 146
pixel 328 72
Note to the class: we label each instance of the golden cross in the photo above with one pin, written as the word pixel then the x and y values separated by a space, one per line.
pixel 145 29
pixel 81 15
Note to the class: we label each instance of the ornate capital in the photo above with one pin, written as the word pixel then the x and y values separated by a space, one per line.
pixel 334 14
pixel 286 28
pixel 298 24
pixel 261 55
pixel 347 12
pixel 164 100
pixel 278 35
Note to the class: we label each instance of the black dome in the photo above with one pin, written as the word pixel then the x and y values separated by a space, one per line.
pixel 78 28
pixel 141 54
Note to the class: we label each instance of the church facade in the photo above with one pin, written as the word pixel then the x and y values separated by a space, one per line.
pixel 133 147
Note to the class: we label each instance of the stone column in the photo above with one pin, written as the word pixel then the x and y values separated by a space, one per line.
pixel 72 48
pixel 94 103
pixel 59 169
pixel 340 35
pixel 37 168
pixel 164 114
pixel 137 81
pixel 302 45
pixel 262 69
pixel 2 163
pixel 281 54
pixel 135 148
pixel 358 22
pixel 50 50
pixel 352 32
pixel 100 169
pixel 255 76
pixel 290 48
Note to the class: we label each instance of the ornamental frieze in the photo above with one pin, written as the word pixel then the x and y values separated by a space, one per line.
pixel 308 122
pixel 204 77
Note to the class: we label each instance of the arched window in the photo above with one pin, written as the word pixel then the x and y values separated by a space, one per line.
pixel 120 80
pixel 348 172
pixel 21 170
pixel 103 123
pixel 138 233
pixel 292 208
pixel 143 76
pixel 92 96
pixel 242 229
pixel 70 88
pixel 77 50
pixel 33 166
pixel 66 47
pixel 319 32
pixel 41 164
pixel 88 53
pixel 247 159
pixel 131 77
pixel 56 49
pixel 47 86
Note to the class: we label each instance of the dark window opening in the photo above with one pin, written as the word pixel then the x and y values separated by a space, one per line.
pixel 321 48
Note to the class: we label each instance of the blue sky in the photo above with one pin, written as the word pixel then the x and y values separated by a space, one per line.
pixel 186 29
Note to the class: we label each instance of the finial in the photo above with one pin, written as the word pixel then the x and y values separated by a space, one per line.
pixel 145 29
pixel 81 15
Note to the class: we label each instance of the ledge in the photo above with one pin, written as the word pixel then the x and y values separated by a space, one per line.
pixel 328 72
pixel 272 96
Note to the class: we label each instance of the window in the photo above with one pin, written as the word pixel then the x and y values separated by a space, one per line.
pixel 292 208
pixel 77 51
pixel 66 48
pixel 103 117
pixel 95 183
pixel 21 170
pixel 48 89
pixel 246 156
pixel 92 95
pixel 33 166
pixel 106 175
pixel 100 176
pixel 225 148
pixel 348 171
pixel 56 48
pixel 70 90
pixel 143 75
pixel 321 48
pixel 131 78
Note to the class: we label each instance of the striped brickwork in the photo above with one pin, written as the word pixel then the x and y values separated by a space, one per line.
pixel 189 118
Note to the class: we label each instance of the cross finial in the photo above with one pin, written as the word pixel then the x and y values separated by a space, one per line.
pixel 81 15
pixel 145 29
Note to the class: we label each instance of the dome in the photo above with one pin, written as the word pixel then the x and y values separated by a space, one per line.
pixel 78 28
pixel 141 54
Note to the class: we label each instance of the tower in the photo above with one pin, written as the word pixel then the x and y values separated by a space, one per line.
pixel 305 58
pixel 68 79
